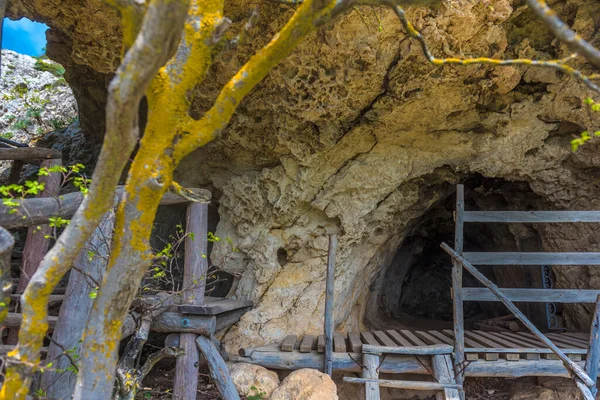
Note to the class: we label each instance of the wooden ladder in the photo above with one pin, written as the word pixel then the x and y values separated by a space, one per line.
pixel 441 363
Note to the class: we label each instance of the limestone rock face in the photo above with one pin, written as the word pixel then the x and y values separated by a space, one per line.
pixel 356 132
pixel 252 379
pixel 306 384
pixel 34 101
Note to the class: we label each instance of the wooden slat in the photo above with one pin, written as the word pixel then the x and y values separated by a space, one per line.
pixel 328 323
pixel 496 342
pixel 370 371
pixel 427 337
pixel 578 335
pixel 307 344
pixel 489 356
pixel 567 340
pixel 29 153
pixel 412 350
pixel 533 355
pixel 593 357
pixel 354 343
pixel 398 338
pixel 413 338
pixel 368 338
pixel 532 216
pixel 444 374
pixel 570 364
pixel 408 385
pixel 321 344
pixel 215 307
pixel 548 258
pixel 533 295
pixel 471 344
pixel 288 343
pixel 442 338
pixel 339 342
pixel 384 339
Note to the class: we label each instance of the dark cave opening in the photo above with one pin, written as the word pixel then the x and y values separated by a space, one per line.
pixel 415 288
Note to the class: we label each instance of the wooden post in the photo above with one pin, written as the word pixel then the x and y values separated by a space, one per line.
pixel 457 294
pixel 6 245
pixel 36 243
pixel 569 364
pixel 194 282
pixel 369 371
pixel 88 271
pixel 329 292
pixel 443 373
pixel 217 369
pixel 593 355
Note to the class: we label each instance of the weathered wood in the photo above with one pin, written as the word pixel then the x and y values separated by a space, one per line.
pixel 37 211
pixel 88 268
pixel 413 338
pixel 472 356
pixel 6 246
pixel 384 339
pixel 371 374
pixel 339 342
pixel 217 369
pixel 444 374
pixel 175 322
pixel 272 358
pixel 510 325
pixel 517 350
pixel 13 320
pixel 534 295
pixel 288 343
pixel 491 341
pixel 509 369
pixel 194 283
pixel 368 338
pixel 473 344
pixel 531 216
pixel 409 385
pixel 329 294
pixel 321 344
pixel 29 153
pixel 355 342
pixel 427 337
pixel 457 289
pixel 442 338
pixel 415 350
pixel 398 338
pixel 225 320
pixel 593 355
pixel 53 301
pixel 306 344
pixel 577 370
pixel 215 307
pixel 15 172
pixel 516 343
pixel 587 393
pixel 547 258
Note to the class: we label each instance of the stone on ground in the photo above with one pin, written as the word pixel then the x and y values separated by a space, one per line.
pixel 306 384
pixel 252 379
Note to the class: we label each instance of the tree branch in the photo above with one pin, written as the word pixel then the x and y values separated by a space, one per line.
pixel 562 31
pixel 555 64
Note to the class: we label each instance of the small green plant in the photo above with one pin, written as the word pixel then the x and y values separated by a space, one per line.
pixel 257 395
pixel 58 123
pixel 586 135
pixel 22 123
pixel 7 135
pixel 54 68
pixel 34 112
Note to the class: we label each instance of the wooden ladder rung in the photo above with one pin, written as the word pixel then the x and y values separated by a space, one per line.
pixel 410 385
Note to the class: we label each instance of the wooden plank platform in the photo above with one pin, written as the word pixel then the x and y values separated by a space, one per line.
pixel 479 345
pixel 214 306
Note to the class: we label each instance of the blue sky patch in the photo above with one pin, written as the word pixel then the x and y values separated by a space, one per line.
pixel 24 36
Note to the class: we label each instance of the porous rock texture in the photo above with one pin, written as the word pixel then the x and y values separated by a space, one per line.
pixel 252 380
pixel 356 133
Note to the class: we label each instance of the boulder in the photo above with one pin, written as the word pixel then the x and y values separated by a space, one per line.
pixel 306 384
pixel 252 379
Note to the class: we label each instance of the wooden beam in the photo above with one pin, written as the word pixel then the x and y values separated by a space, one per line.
pixel 414 350
pixel 215 307
pixel 533 295
pixel 38 211
pixel 593 355
pixel 409 385
pixel 577 370
pixel 370 374
pixel 29 153
pixel 444 374
pixel 457 288
pixel 548 258
pixel 329 294
pixel 6 246
pixel 531 216
pixel 217 370
pixel 77 304
pixel 195 269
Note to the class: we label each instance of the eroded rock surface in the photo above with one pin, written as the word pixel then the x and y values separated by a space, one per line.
pixel 253 380
pixel 356 132
pixel 306 384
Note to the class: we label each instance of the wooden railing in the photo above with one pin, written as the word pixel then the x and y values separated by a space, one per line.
pixel 585 379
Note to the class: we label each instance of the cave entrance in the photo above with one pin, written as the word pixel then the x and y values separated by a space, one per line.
pixel 414 291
